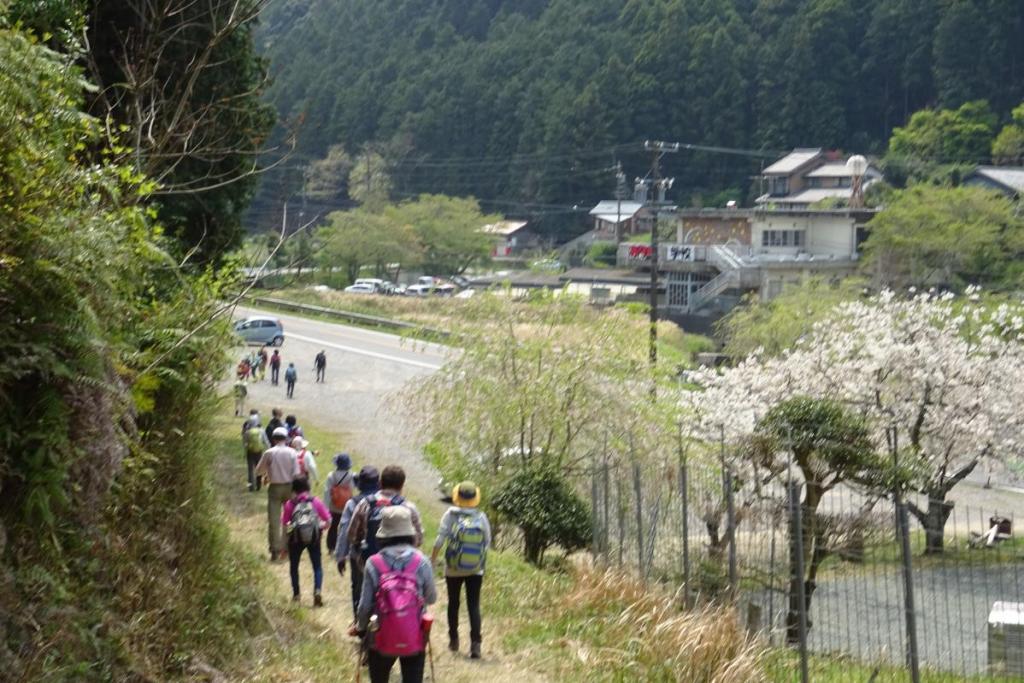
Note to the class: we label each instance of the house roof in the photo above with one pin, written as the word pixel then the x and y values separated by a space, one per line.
pixel 504 228
pixel 605 275
pixel 837 169
pixel 612 210
pixel 793 161
pixel 1010 177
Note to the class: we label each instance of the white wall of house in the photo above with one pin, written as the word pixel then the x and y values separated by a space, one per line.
pixel 615 290
pixel 777 279
pixel 817 234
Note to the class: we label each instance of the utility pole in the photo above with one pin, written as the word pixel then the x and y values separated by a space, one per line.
pixel 620 193
pixel 657 149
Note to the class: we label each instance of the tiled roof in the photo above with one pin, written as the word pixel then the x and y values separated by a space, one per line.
pixel 793 161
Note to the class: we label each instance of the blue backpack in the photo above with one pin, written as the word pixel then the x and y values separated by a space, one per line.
pixel 466 553
pixel 377 504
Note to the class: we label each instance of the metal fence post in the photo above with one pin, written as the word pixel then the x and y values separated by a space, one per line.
pixel 797 535
pixel 913 658
pixel 639 518
pixel 730 520
pixel 595 530
pixel 730 515
pixel 621 513
pixel 684 495
pixel 605 540
pixel 903 529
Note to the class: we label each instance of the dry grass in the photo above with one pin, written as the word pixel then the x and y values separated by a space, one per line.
pixel 632 629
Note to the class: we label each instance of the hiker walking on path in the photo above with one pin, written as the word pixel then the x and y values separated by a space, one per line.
pixel 320 365
pixel 397 587
pixel 290 375
pixel 292 425
pixel 368 482
pixel 240 391
pixel 264 360
pixel 362 539
pixel 254 365
pixel 305 461
pixel 275 422
pixel 278 465
pixel 275 367
pixel 255 442
pixel 305 517
pixel 338 491
pixel 467 532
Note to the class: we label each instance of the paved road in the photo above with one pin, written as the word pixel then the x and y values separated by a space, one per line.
pixel 366 372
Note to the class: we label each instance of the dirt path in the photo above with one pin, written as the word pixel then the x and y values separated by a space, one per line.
pixel 348 412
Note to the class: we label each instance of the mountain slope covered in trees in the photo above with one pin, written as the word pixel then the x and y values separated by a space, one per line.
pixel 525 103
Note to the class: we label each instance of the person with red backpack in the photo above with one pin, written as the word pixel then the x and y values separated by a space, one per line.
pixel 338 492
pixel 305 518
pixel 398 585
pixel 305 461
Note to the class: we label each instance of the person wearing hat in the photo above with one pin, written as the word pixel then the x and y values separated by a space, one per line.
pixel 278 465
pixel 467 532
pixel 337 494
pixel 368 483
pixel 305 460
pixel 395 538
pixel 254 443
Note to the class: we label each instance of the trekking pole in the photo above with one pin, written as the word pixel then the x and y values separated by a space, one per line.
pixel 427 622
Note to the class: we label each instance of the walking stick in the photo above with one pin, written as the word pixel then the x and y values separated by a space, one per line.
pixel 427 622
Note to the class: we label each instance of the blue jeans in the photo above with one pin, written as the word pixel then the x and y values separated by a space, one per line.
pixel 295 554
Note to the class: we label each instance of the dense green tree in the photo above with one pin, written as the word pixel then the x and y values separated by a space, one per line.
pixel 113 355
pixel 525 106
pixel 1008 147
pixel 941 236
pixel 182 82
pixel 449 230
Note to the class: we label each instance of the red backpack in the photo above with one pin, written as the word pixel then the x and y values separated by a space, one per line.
pixel 341 493
pixel 399 609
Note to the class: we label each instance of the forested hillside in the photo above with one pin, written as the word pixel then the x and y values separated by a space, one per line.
pixel 527 103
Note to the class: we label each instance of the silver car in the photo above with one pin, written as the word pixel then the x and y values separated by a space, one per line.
pixel 261 330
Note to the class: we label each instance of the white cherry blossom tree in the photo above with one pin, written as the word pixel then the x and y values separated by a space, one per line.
pixel 940 379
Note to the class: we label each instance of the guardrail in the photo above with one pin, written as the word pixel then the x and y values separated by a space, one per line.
pixel 350 316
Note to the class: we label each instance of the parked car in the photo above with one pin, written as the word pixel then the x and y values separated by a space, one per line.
pixel 377 284
pixel 260 330
pixel 419 289
pixel 361 288
pixel 460 280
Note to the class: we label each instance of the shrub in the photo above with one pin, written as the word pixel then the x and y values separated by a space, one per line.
pixel 545 508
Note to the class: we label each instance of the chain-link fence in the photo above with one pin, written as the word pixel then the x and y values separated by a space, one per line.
pixel 876 588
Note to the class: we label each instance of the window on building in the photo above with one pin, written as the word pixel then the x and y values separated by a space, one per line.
pixel 783 238
pixel 779 186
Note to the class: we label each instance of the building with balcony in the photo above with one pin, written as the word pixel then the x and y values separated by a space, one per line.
pixel 721 254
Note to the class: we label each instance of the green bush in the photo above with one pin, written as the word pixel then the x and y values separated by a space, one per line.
pixel 114 564
pixel 543 505
pixel 601 255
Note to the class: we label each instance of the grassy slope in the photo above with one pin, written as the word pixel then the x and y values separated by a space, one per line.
pixel 539 625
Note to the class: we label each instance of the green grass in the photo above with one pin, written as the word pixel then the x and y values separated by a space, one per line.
pixel 542 621
pixel 783 667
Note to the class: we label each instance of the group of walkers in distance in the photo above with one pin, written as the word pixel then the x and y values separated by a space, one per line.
pixel 373 533
pixel 253 368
